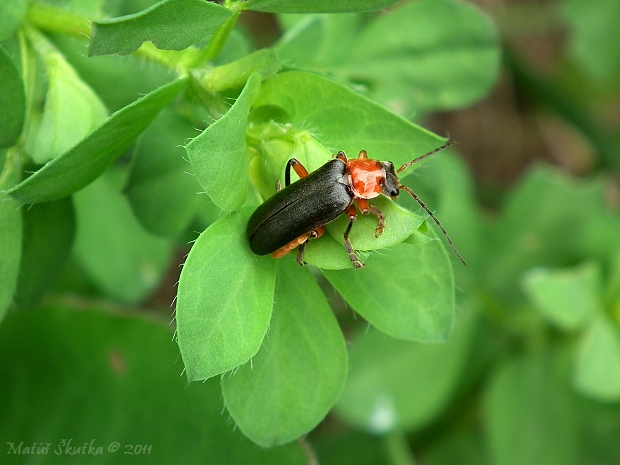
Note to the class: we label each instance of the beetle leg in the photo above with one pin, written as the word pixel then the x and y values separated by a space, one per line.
pixel 301 171
pixel 341 156
pixel 352 214
pixel 314 234
pixel 363 206
pixel 319 232
pixel 362 154
pixel 380 218
pixel 282 251
pixel 300 253
pixel 366 209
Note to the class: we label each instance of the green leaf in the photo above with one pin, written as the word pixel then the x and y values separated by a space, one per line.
pixel 274 145
pixel 120 257
pixel 597 367
pixel 428 54
pixel 10 234
pixel 234 75
pixel 446 186
pixel 347 446
pixel 466 444
pixel 236 47
pixel 406 291
pixel 86 374
pixel 317 6
pixel 569 298
pixel 169 24
pixel 612 285
pixel 224 301
pixel 116 79
pixel 48 232
pixel 12 13
pixel 218 155
pixel 161 191
pixel 293 381
pixel 341 119
pixel 397 385
pixel 72 111
pixel 329 254
pixel 549 220
pixel 593 33
pixel 317 40
pixel 12 101
pixel 400 223
pixel 91 156
pixel 530 414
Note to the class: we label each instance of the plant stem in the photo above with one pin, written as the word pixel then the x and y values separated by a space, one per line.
pixel 39 42
pixel 29 74
pixel 12 163
pixel 217 42
pixel 397 449
pixel 57 20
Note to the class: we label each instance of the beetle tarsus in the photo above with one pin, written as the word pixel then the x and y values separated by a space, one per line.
pixel 380 218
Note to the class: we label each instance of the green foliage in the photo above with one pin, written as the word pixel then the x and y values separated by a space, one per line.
pixel 593 24
pixel 12 14
pixel 160 190
pixel 218 154
pixel 299 372
pixel 48 232
pixel 417 305
pixel 395 385
pixel 91 156
pixel 115 363
pixel 567 298
pixel 122 259
pixel 72 111
pixel 456 56
pixel 317 6
pixel 10 235
pixel 223 287
pixel 597 364
pixel 426 55
pixel 531 413
pixel 169 24
pixel 12 101
pixel 112 165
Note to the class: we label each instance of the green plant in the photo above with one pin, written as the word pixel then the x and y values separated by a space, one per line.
pixel 226 294
pixel 107 187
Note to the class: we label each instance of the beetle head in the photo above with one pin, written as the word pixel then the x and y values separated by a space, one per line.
pixel 390 187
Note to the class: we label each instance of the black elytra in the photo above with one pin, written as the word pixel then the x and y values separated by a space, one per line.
pixel 304 205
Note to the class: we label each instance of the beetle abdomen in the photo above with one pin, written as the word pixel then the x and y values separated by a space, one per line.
pixel 313 201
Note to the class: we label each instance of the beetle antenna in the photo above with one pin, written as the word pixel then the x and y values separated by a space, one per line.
pixel 423 205
pixel 422 157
